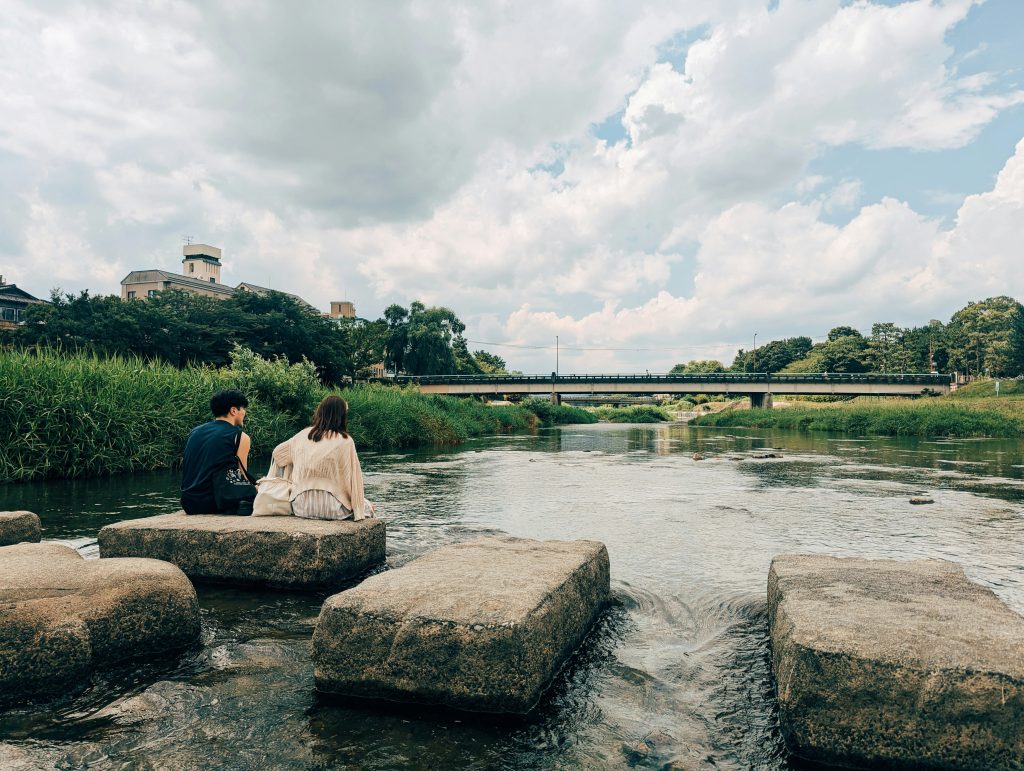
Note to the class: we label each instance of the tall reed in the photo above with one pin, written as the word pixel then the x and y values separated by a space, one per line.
pixel 77 415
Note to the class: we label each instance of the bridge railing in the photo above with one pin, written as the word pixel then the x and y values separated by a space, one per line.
pixel 936 379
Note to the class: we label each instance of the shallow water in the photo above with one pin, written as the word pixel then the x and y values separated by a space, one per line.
pixel 675 674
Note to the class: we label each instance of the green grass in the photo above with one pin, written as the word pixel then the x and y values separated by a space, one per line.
pixel 946 416
pixel 637 413
pixel 79 415
pixel 549 414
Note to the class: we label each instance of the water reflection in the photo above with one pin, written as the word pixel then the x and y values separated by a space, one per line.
pixel 675 673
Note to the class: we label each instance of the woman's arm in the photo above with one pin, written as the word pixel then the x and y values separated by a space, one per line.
pixel 282 454
pixel 355 493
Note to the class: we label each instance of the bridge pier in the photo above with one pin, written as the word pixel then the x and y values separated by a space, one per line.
pixel 761 401
pixel 556 398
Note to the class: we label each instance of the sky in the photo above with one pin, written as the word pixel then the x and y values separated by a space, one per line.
pixel 647 183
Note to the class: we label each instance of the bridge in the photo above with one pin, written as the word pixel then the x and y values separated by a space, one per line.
pixel 761 387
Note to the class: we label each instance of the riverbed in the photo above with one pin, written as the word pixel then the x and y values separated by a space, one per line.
pixel 676 673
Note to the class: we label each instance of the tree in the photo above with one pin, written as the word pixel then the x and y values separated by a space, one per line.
pixel 427 341
pixel 698 367
pixel 490 364
pixel 884 347
pixel 839 332
pixel 845 354
pixel 773 356
pixel 369 340
pixel 181 328
pixel 988 337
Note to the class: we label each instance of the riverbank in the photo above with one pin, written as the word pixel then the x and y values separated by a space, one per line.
pixel 76 415
pixel 972 411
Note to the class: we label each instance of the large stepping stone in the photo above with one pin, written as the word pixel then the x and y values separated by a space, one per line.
pixel 895 664
pixel 61 616
pixel 483 625
pixel 286 552
pixel 18 527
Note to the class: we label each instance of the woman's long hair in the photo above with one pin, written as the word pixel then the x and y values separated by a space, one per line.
pixel 331 417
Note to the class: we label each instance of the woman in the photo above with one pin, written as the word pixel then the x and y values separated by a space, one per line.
pixel 327 481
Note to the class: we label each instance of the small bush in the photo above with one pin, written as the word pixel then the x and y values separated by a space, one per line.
pixel 637 413
pixel 557 414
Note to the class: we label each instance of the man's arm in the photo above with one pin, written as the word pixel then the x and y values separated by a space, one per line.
pixel 243 450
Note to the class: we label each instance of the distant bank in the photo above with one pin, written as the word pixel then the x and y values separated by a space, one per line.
pixel 972 411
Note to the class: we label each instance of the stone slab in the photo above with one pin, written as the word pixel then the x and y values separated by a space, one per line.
pixel 61 616
pixel 895 664
pixel 18 527
pixel 483 625
pixel 288 552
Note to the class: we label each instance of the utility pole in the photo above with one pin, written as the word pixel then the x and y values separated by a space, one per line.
pixel 556 355
pixel 755 352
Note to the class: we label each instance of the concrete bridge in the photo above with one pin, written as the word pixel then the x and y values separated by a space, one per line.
pixel 761 387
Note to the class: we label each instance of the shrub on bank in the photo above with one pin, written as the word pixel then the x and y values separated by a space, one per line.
pixel 78 415
pixel 557 414
pixel 929 417
pixel 637 413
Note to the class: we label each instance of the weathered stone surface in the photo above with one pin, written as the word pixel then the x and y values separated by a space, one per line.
pixel 895 664
pixel 19 526
pixel 483 625
pixel 61 616
pixel 274 551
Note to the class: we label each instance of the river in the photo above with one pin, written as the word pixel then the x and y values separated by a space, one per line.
pixel 676 673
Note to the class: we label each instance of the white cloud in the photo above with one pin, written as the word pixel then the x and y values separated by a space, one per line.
pixel 394 151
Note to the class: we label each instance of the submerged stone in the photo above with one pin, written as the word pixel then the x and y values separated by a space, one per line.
pixel 483 625
pixel 18 527
pixel 906 664
pixel 61 616
pixel 276 551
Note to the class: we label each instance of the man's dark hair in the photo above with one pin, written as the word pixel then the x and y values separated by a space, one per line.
pixel 223 401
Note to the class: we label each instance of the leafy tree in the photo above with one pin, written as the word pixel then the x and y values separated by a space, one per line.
pixel 369 340
pixel 490 364
pixel 845 354
pixel 839 332
pixel 884 347
pixel 988 337
pixel 698 367
pixel 181 328
pixel 427 341
pixel 397 319
pixel 773 356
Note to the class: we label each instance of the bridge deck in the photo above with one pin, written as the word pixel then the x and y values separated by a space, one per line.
pixel 719 383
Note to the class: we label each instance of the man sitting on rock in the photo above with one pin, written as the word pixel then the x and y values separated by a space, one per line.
pixel 214 479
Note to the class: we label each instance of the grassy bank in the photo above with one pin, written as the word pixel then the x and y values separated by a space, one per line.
pixel 637 413
pixel 78 415
pixel 961 414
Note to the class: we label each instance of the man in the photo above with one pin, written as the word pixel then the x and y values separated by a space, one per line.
pixel 213 450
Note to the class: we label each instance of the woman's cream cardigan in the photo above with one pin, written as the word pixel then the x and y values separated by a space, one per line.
pixel 330 464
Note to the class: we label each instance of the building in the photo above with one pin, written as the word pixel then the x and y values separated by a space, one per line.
pixel 14 303
pixel 200 274
pixel 342 309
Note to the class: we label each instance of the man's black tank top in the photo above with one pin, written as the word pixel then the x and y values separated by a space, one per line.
pixel 210 448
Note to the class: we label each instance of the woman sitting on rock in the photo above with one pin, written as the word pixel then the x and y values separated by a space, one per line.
pixel 327 481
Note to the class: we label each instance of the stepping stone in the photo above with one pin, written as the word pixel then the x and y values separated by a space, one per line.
pixel 19 526
pixel 62 616
pixel 881 663
pixel 288 552
pixel 483 625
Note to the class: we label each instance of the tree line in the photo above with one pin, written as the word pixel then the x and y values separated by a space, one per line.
pixel 982 338
pixel 181 329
